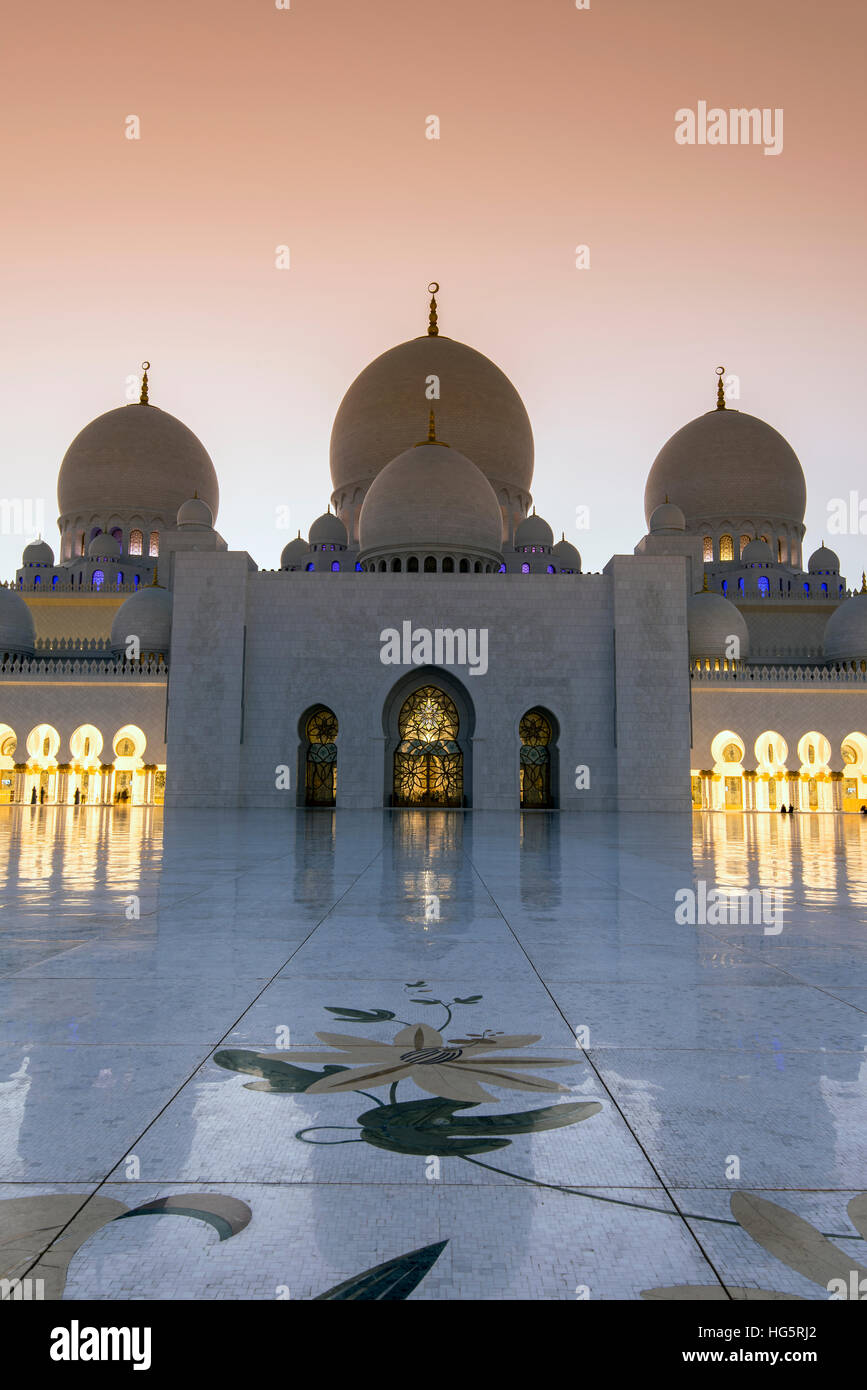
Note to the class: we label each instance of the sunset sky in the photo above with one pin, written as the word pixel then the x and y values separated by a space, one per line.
pixel 306 127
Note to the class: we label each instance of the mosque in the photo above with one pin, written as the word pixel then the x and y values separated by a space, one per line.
pixel 430 643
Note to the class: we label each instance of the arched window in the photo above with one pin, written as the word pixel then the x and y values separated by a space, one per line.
pixel 395 566
pixel 726 548
pixel 478 567
pixel 383 566
pixel 740 586
pixel 806 586
pixel 502 570
pixel 448 565
pixel 428 762
pixel 430 565
pixel 136 541
pixel 320 776
pixel 551 569
pixel 54 580
pixel 764 585
pixel 708 548
pixel 81 543
pixel 525 569
pixel 745 540
pixel 310 567
pixel 536 738
pixel 97 579
pixel 335 566
pixel 37 579
pixel 779 552
pixel 412 565
pixel 824 588
pixel 136 580
pixel 154 544
pixel 465 566
pixel 120 579
pixel 117 533
pixel 725 587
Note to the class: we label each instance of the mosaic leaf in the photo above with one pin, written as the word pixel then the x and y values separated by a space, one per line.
pixel 432 1127
pixel 227 1215
pixel 278 1076
pixel 792 1240
pixel 857 1210
pixel 360 1015
pixel 393 1280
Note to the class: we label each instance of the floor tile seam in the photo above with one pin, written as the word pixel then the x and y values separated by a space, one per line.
pixel 186 1080
pixel 693 1235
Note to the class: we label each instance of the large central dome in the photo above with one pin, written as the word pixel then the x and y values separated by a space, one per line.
pixel 478 410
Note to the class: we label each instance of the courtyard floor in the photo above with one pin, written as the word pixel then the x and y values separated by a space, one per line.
pixel 179 989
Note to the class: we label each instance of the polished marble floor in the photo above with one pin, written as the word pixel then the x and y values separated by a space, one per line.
pixel 564 1091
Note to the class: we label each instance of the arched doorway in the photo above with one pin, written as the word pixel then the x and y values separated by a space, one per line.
pixel 537 773
pixel 428 760
pixel 320 758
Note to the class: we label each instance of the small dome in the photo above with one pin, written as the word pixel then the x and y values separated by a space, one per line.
pixel 757 552
pixel 567 556
pixel 727 464
pixel 104 547
pixel 197 513
pixel 667 517
pixel 823 561
pixel 431 498
pixel 846 630
pixel 38 553
pixel 136 458
pixel 17 633
pixel 713 621
pixel 294 553
pixel 147 615
pixel 327 530
pixel 533 530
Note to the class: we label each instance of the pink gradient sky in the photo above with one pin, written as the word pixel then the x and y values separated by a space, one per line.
pixel 306 127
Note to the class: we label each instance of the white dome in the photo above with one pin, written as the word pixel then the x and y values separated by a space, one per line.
pixel 328 529
pixel 17 632
pixel 38 553
pixel 667 517
pixel 195 514
pixel 567 556
pixel 147 615
pixel 478 411
pixel 104 547
pixel 757 552
pixel 713 621
pixel 533 530
pixel 294 553
pixel 846 630
pixel 431 497
pixel 135 459
pixel 726 465
pixel 823 561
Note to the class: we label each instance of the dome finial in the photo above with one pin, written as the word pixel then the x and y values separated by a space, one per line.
pixel 720 390
pixel 154 582
pixel 863 582
pixel 433 291
pixel 143 398
pixel 431 434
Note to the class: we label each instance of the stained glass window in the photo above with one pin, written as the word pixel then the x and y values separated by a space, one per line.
pixel 536 734
pixel 320 782
pixel 428 763
pixel 726 548
pixel 136 540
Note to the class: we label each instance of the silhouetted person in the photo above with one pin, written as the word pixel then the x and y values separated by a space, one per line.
pixel 33 797
pixel 78 796
pixel 41 795
pixel 791 810
pixel 864 810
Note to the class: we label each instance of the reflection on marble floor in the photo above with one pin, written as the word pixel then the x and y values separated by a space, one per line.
pixel 430 1055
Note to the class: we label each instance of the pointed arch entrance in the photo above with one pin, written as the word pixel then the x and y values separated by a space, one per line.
pixel 319 733
pixel 428 724
pixel 538 775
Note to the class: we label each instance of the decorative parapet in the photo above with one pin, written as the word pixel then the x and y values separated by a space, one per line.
pixel 84 590
pixel 713 671
pixel 37 668
pixel 76 647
